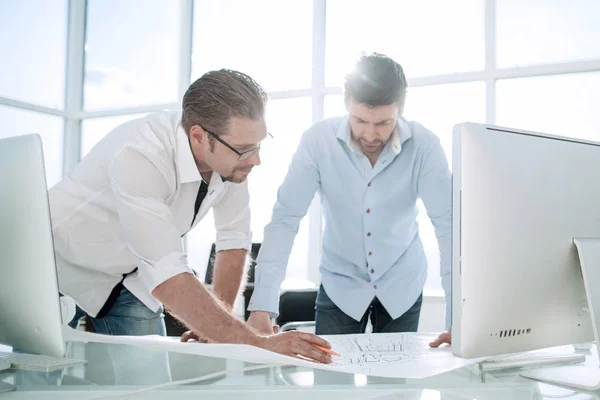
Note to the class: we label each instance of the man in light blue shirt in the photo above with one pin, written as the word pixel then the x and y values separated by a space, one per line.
pixel 370 168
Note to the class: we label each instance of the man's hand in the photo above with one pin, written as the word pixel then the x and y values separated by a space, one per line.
pixel 260 321
pixel 297 344
pixel 190 335
pixel 445 337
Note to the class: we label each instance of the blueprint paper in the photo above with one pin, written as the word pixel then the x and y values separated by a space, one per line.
pixel 391 355
pixel 394 355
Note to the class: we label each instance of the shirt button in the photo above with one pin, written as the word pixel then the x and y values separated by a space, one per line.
pixel 370 253
pixel 368 211
pixel 369 185
pixel 372 271
pixel 368 233
pixel 374 286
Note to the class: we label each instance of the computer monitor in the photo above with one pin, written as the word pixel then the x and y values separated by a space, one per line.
pixel 520 199
pixel 30 316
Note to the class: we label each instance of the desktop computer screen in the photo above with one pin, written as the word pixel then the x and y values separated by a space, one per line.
pixel 519 200
pixel 30 318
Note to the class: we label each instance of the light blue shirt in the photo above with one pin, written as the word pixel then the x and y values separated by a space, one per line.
pixel 371 244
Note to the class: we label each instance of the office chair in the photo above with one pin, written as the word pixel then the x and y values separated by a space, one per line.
pixel 249 289
pixel 297 309
pixel 295 306
pixel 208 277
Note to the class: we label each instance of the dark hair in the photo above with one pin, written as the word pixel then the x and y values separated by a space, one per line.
pixel 376 80
pixel 217 96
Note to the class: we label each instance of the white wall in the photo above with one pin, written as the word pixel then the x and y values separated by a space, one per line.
pixel 433 314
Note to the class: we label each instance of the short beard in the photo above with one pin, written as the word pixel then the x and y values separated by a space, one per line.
pixel 231 178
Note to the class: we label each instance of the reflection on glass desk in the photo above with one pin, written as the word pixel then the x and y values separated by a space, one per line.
pixel 113 370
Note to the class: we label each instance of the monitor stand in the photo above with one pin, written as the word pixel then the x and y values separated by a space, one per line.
pixel 580 376
pixel 5 387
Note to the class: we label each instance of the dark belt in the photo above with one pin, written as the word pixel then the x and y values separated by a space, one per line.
pixel 112 298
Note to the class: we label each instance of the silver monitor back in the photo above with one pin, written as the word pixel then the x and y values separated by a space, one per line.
pixel 30 317
pixel 519 200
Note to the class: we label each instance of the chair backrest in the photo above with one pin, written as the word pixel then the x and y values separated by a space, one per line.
pixel 211 263
pixel 296 306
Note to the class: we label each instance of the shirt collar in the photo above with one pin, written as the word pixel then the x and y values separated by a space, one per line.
pixel 404 132
pixel 188 170
pixel 400 135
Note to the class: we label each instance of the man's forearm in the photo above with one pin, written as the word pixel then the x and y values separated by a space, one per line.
pixel 187 299
pixel 229 272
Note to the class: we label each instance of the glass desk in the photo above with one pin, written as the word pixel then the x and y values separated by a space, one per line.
pixel 115 370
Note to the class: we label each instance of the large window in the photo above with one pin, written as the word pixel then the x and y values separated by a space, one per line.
pixel 428 37
pixel 74 70
pixel 33 40
pixel 547 31
pixel 131 53
pixel 566 105
pixel 16 122
pixel 271 40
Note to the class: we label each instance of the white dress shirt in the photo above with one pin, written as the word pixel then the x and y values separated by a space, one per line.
pixel 127 204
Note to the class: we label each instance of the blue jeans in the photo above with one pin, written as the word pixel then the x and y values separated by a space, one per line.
pixel 128 316
pixel 330 320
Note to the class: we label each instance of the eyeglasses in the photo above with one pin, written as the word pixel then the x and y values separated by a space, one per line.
pixel 244 155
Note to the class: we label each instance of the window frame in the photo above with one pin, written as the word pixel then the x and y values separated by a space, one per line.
pixel 73 113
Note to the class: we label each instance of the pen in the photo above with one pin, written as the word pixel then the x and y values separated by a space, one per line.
pixel 326 350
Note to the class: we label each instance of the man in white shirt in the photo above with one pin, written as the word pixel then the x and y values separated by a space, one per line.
pixel 119 216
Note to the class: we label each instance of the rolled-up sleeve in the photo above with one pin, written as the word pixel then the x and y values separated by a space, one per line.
pixel 232 218
pixel 141 189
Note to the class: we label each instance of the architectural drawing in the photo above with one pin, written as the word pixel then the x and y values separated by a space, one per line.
pixel 384 350
pixel 390 355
